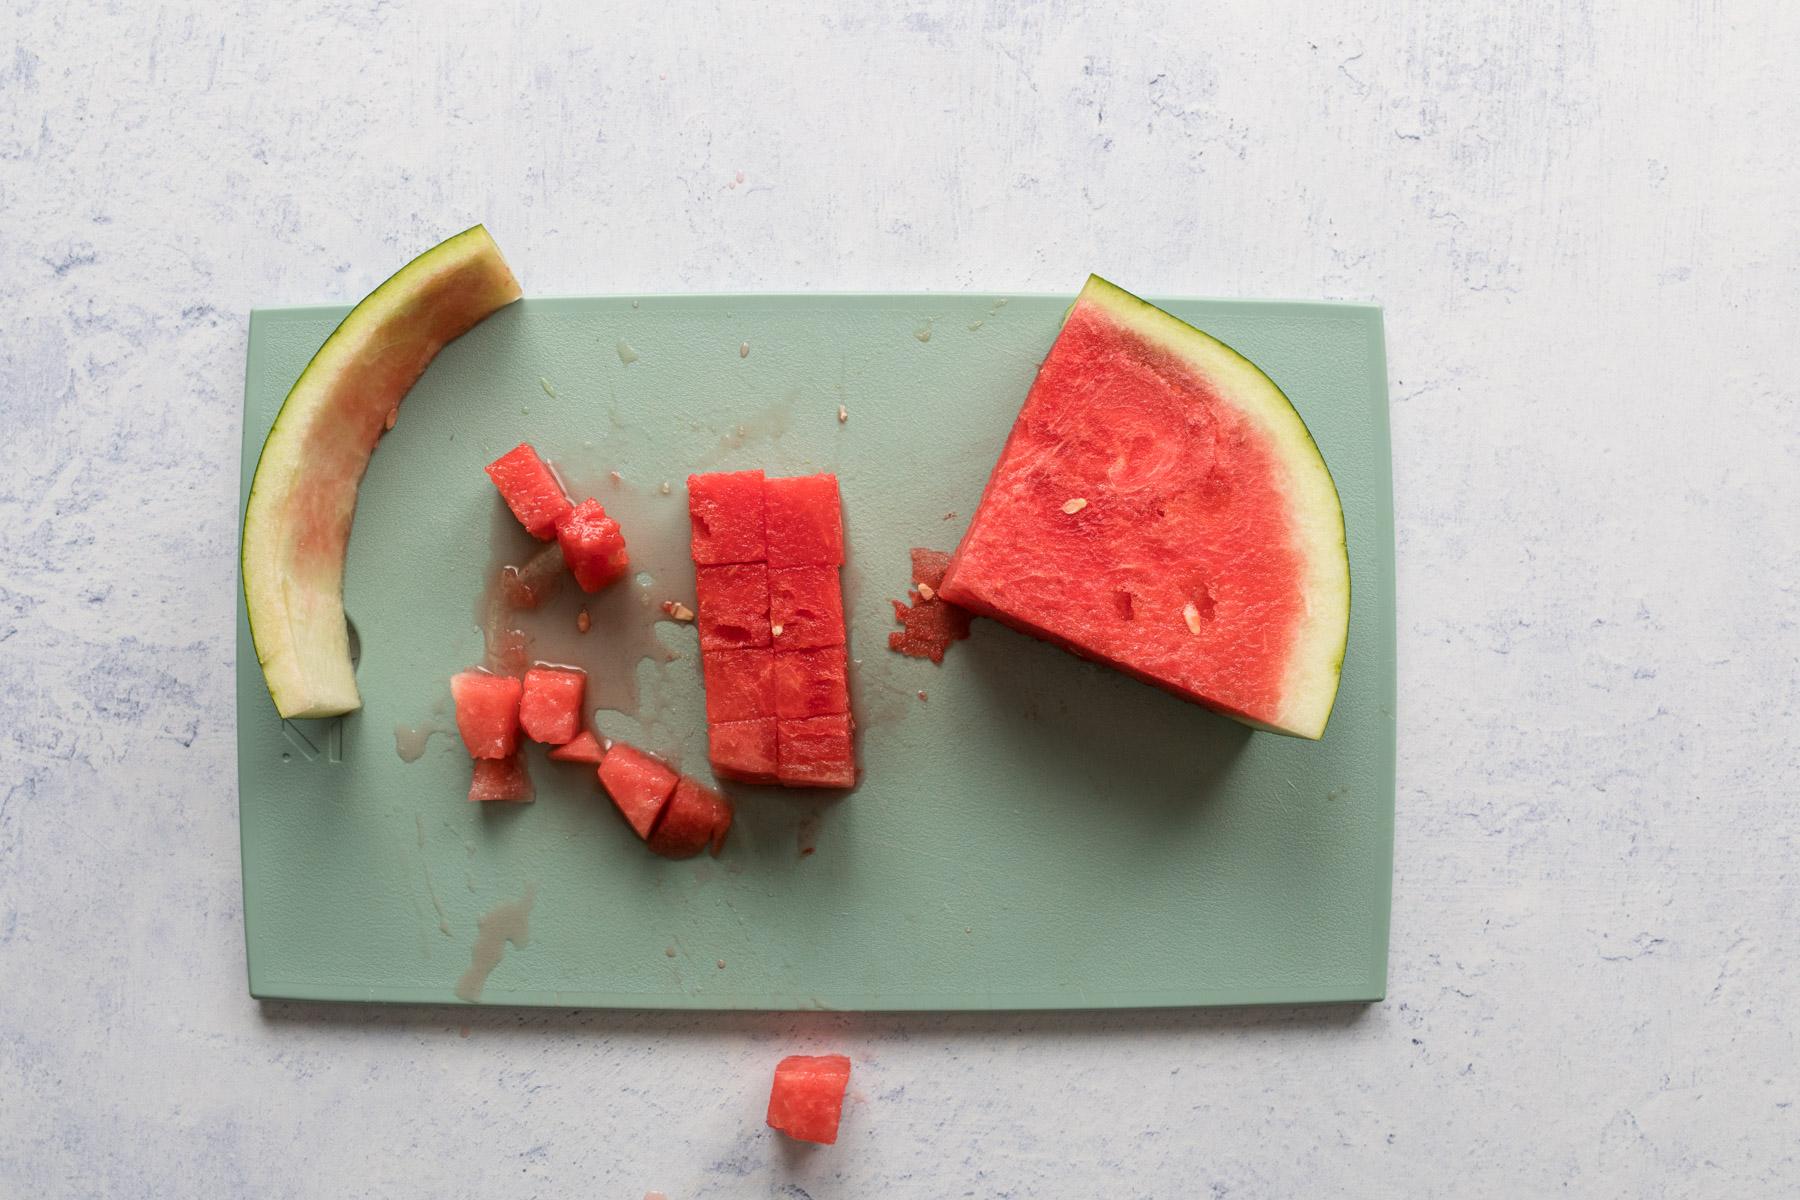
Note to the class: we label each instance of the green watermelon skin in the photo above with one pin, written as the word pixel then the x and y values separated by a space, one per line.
pixel 1160 507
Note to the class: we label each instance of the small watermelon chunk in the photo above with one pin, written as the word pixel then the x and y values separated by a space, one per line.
pixel 740 684
pixel 807 605
pixel 744 750
pixel 531 489
pixel 734 606
pixel 550 706
pixel 639 785
pixel 807 1099
pixel 584 747
pixel 501 779
pixel 697 817
pixel 487 712
pixel 804 521
pixel 811 683
pixel 592 545
pixel 816 752
pixel 725 510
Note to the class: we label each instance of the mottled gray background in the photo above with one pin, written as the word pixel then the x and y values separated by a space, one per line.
pixel 1584 222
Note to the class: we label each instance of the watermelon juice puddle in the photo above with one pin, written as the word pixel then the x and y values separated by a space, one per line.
pixel 530 609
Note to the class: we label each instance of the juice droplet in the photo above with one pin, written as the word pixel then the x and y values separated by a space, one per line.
pixel 924 333
pixel 626 354
pixel 743 349
pixel 549 388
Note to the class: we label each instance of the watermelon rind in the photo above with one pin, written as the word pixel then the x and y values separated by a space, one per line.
pixel 1315 662
pixel 303 495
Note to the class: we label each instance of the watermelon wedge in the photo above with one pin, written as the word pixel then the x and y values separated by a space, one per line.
pixel 807 1099
pixel 303 495
pixel 1160 507
pixel 640 786
pixel 583 748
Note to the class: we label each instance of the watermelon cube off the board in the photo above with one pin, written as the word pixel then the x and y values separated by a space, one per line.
pixel 550 705
pixel 807 1099
pixel 487 712
pixel 1161 507
pixel 531 489
pixel 592 545
pixel 501 779
pixel 640 786
pixel 584 747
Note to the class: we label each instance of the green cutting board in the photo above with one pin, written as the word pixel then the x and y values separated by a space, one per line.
pixel 1036 832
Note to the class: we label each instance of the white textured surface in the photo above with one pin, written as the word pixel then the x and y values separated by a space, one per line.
pixel 1584 220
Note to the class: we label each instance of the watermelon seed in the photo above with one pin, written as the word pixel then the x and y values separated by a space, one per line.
pixel 1191 615
pixel 926 592
pixel 583 622
pixel 775 630
pixel 843 414
pixel 1074 506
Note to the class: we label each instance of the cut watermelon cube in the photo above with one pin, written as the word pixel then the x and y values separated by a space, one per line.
pixel 550 706
pixel 740 684
pixel 639 785
pixel 807 605
pixel 583 748
pixel 697 817
pixel 744 750
pixel 531 489
pixel 816 752
pixel 807 1099
pixel 725 510
pixel 804 521
pixel 810 683
pixel 592 546
pixel 734 606
pixel 487 712
pixel 501 779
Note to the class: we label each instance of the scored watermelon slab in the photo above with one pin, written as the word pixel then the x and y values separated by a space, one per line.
pixel 1159 506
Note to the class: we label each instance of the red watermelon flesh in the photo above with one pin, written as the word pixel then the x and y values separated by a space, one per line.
pixel 592 545
pixel 807 1099
pixel 584 747
pixel 816 752
pixel 639 785
pixel 1159 506
pixel 550 706
pixel 501 779
pixel 531 489
pixel 740 684
pixel 487 713
pixel 747 751
pixel 733 604
pixel 804 521
pixel 930 623
pixel 725 510
pixel 811 683
pixel 697 817
pixel 807 605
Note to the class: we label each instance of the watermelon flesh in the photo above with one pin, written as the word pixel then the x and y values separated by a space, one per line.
pixel 725 512
pixel 303 496
pixel 531 489
pixel 487 713
pixel 772 631
pixel 929 623
pixel 807 1099
pixel 746 751
pixel 550 705
pixel 696 818
pixel 593 546
pixel 640 786
pixel 1160 507
pixel 503 779
pixel 733 603
pixel 584 747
